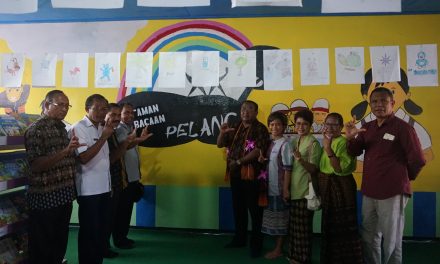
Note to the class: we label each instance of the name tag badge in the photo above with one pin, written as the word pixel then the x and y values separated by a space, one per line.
pixel 388 137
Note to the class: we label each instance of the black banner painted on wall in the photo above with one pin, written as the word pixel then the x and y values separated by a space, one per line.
pixel 176 119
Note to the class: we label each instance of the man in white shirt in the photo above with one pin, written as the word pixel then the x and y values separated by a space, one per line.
pixel 93 182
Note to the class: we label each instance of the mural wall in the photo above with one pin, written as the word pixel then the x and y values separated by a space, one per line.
pixel 183 170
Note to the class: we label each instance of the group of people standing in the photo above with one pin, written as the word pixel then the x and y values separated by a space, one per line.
pixel 272 180
pixel 95 161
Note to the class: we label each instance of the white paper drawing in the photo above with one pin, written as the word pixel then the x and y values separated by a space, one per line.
pixel 314 66
pixel 44 70
pixel 385 63
pixel 350 65
pixel 205 68
pixel 422 65
pixel 139 69
pixel 107 70
pixel 12 69
pixel 18 6
pixel 173 3
pixel 242 66
pixel 172 69
pixel 277 69
pixel 75 70
pixel 361 6
pixel 97 4
pixel 236 3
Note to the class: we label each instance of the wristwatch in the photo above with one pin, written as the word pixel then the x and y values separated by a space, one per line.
pixel 238 162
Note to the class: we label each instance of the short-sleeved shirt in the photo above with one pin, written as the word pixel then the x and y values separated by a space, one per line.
pixel 283 147
pixel 55 186
pixel 346 161
pixel 94 176
pixel 310 150
pixel 131 156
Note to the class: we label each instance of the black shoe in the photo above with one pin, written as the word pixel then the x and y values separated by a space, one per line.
pixel 126 241
pixel 130 241
pixel 124 245
pixel 110 254
pixel 235 244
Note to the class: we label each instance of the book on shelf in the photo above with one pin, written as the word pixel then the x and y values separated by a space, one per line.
pixel 13 165
pixel 14 125
pixel 12 209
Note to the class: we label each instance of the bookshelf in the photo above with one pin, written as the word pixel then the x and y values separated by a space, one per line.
pixel 13 180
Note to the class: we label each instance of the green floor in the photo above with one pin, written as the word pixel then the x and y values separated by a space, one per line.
pixel 170 247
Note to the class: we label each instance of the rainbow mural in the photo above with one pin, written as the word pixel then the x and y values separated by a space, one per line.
pixel 183 183
pixel 187 36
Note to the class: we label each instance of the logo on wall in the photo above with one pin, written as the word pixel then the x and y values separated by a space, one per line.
pixel 193 113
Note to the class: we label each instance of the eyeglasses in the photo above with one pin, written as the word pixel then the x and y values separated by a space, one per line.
pixel 331 125
pixel 62 105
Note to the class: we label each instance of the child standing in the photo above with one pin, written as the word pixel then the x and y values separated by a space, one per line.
pixel 278 171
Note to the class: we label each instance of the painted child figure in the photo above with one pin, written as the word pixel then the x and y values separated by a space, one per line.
pixel 278 171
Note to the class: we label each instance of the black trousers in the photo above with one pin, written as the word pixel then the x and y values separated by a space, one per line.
pixel 48 234
pixel 114 202
pixel 123 214
pixel 93 214
pixel 244 199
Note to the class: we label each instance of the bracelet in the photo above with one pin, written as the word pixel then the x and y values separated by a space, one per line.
pixel 238 162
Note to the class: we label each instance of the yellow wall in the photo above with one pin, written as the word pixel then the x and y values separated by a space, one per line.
pixel 198 164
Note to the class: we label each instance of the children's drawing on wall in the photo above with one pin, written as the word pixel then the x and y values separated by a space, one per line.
pixel 205 66
pixel 422 65
pixel 107 70
pixel 242 68
pixel 13 100
pixel 385 61
pixel 139 69
pixel 314 66
pixel 13 68
pixel 76 70
pixel 44 70
pixel 277 69
pixel 350 66
pixel 172 69
pixel 404 108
